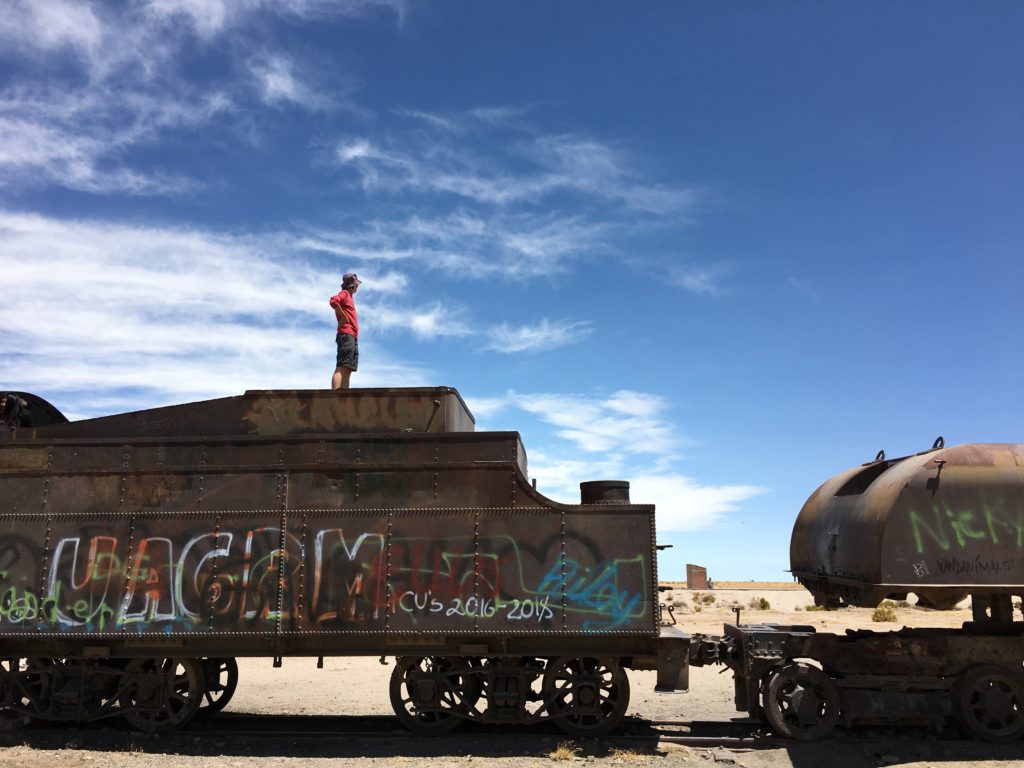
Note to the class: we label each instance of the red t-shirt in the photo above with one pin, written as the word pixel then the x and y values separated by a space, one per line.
pixel 349 324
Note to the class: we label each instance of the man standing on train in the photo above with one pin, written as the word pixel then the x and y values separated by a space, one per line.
pixel 344 306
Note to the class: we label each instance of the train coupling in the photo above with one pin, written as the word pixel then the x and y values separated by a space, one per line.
pixel 673 661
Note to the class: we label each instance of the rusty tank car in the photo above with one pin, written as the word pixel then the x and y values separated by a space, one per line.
pixel 141 553
pixel 942 524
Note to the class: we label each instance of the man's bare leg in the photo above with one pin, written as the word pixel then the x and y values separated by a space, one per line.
pixel 341 378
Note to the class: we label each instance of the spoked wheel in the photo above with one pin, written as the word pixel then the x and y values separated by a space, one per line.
pixel 432 694
pixel 13 701
pixel 221 679
pixel 801 702
pixel 24 689
pixel 585 696
pixel 161 694
pixel 990 702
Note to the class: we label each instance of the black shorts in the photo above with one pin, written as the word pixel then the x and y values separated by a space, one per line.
pixel 348 351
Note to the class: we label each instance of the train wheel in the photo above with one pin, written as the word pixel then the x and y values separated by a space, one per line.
pixel 24 691
pixel 12 699
pixel 990 702
pixel 161 694
pixel 585 696
pixel 431 694
pixel 221 679
pixel 801 702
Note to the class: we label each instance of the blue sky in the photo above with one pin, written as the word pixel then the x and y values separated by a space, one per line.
pixel 722 251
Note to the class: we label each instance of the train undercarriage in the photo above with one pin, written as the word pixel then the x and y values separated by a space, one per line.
pixel 584 696
pixel 805 683
pixel 800 682
pixel 151 694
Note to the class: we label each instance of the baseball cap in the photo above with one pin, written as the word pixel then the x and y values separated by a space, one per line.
pixel 350 278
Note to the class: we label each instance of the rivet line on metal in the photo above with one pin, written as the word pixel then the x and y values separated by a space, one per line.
pixel 476 565
pixel 42 572
pixel 213 572
pixel 282 500
pixel 387 575
pixel 302 567
pixel 129 564
pixel 561 556
pixel 202 477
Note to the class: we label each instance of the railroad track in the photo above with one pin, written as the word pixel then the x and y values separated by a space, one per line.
pixel 739 733
pixel 303 727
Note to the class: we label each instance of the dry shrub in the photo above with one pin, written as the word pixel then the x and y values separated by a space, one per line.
pixel 760 604
pixel 886 611
pixel 565 751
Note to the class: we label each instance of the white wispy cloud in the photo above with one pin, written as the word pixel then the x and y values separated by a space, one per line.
pixel 625 435
pixel 426 322
pixel 177 312
pixel 541 335
pixel 171 313
pixel 34 154
pixel 467 245
pixel 47 25
pixel 279 83
pixel 626 421
pixel 686 504
pixel 211 17
pixel 88 82
pixel 696 278
pixel 283 82
pixel 441 162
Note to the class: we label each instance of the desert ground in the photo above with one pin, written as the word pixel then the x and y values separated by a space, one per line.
pixel 356 690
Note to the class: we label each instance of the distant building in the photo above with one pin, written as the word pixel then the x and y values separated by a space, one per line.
pixel 696 576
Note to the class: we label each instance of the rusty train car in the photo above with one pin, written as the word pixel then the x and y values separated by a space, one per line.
pixel 943 524
pixel 140 553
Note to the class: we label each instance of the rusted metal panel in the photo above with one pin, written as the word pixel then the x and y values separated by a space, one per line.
pixel 942 524
pixel 231 519
pixel 520 567
pixel 285 412
pixel 23 550
pixel 273 572
pixel 605 574
pixel 431 568
pixel 961 523
pixel 343 585
pixel 86 573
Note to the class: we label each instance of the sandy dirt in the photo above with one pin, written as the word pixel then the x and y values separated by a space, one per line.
pixel 357 688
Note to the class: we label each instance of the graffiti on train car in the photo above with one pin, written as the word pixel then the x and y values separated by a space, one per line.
pixel 944 529
pixel 258 579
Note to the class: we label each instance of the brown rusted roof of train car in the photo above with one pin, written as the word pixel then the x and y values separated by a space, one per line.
pixel 283 412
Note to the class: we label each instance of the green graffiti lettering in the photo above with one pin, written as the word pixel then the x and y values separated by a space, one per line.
pixel 961 524
pixel 48 610
pixel 992 525
pixel 17 607
pixel 80 610
pixel 105 565
pixel 998 519
pixel 919 524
